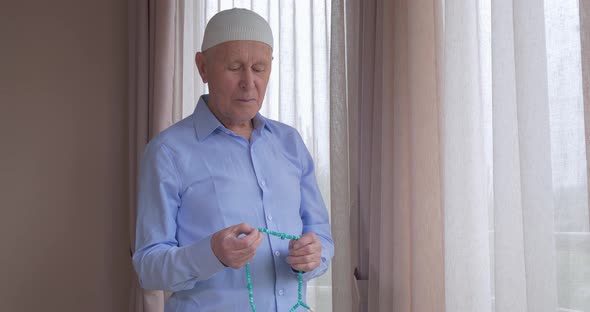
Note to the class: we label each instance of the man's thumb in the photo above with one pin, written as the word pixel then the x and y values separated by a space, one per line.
pixel 242 228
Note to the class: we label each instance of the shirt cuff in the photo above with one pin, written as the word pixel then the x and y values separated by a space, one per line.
pixel 203 262
pixel 309 275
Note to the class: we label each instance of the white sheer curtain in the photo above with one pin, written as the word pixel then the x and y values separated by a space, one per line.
pixel 514 157
pixel 472 155
pixel 298 91
pixel 541 229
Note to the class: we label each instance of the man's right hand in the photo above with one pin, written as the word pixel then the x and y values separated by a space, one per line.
pixel 235 251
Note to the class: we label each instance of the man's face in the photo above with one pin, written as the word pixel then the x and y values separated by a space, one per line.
pixel 237 73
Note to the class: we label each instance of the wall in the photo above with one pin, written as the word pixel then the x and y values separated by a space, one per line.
pixel 63 156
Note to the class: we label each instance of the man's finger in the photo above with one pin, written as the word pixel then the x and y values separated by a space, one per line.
pixel 250 240
pixel 305 239
pixel 242 228
pixel 306 250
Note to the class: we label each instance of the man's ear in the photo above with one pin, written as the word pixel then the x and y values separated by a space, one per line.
pixel 201 62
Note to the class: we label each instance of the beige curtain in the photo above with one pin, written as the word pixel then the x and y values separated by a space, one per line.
pixel 394 159
pixel 400 206
pixel 151 105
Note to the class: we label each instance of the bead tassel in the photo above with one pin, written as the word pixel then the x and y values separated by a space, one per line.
pixel 300 302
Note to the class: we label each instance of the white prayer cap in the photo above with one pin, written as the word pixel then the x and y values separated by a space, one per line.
pixel 236 24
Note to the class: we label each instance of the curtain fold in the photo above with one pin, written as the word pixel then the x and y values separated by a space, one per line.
pixel 402 220
pixel 342 166
pixel 426 236
pixel 523 192
pixel 464 187
pixel 585 43
pixel 510 280
pixel 151 106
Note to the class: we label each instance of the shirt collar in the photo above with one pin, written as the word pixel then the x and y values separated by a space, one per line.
pixel 206 123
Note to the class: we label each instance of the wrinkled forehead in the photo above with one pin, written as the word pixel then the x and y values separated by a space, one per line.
pixel 241 50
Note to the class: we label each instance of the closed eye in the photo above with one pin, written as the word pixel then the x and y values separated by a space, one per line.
pixel 234 67
pixel 259 69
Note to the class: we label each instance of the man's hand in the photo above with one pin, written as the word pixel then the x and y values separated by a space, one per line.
pixel 235 251
pixel 305 253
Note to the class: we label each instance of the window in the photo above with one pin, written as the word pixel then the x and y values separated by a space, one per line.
pixel 568 147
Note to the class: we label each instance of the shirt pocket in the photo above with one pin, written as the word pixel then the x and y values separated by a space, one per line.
pixel 199 214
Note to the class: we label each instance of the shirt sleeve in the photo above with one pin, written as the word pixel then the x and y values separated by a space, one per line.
pixel 314 214
pixel 158 260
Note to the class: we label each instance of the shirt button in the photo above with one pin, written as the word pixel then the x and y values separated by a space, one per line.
pixel 277 253
pixel 281 292
pixel 263 183
pixel 269 217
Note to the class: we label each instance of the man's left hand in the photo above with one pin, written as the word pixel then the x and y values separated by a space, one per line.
pixel 305 253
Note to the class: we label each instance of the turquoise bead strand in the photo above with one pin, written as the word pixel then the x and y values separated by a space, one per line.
pixel 277 234
pixel 250 294
pixel 300 302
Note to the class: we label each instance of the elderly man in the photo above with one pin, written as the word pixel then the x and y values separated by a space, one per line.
pixel 211 180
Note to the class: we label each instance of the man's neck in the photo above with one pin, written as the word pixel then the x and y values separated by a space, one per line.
pixel 241 129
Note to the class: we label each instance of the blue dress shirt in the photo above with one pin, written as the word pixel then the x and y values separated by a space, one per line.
pixel 196 178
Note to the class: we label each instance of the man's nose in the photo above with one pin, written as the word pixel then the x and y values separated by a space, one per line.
pixel 247 79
